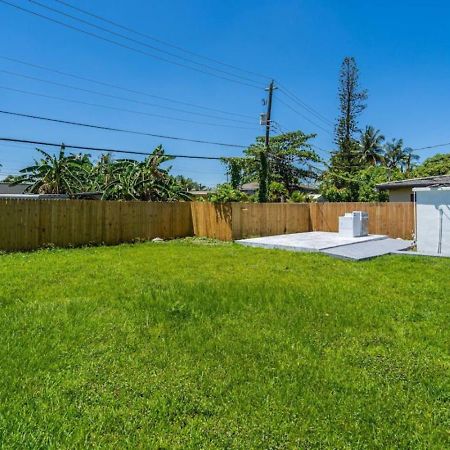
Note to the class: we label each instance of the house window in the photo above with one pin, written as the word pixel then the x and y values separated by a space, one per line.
pixel 412 197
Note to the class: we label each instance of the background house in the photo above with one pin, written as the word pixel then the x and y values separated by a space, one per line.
pixel 6 188
pixel 402 191
pixel 252 188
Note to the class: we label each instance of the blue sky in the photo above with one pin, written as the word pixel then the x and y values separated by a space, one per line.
pixel 402 50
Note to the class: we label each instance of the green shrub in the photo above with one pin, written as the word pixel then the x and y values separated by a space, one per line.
pixel 225 193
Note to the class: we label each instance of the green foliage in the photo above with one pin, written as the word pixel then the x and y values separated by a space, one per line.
pixel 357 166
pixel 361 187
pixel 277 192
pixel 188 184
pixel 263 178
pixel 225 193
pixel 352 103
pixel 289 162
pixel 436 165
pixel 300 197
pixel 218 346
pixel 398 157
pixel 56 174
pixel 290 159
pixel 123 179
pixel 334 193
pixel 368 179
pixel 236 170
pixel 371 150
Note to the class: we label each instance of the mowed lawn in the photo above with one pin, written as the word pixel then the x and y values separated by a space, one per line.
pixel 192 344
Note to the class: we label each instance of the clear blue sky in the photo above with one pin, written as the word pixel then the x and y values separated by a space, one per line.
pixel 402 49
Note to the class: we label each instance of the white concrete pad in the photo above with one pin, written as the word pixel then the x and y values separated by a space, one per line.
pixel 314 241
pixel 368 249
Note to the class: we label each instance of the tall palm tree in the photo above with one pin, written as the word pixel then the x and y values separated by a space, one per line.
pixel 371 146
pixel 397 157
pixel 55 174
pixel 409 160
pixel 394 155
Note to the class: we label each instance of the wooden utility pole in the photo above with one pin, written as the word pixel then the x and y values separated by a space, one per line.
pixel 264 170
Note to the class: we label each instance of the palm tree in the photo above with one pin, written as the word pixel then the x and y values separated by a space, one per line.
pixel 53 174
pixel 397 157
pixel 409 160
pixel 394 155
pixel 371 146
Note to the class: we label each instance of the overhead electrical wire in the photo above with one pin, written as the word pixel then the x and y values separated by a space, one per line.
pixel 304 105
pixel 116 97
pixel 125 46
pixel 168 44
pixel 305 117
pixel 122 36
pixel 290 95
pixel 119 130
pixel 104 150
pixel 431 147
pixel 121 88
pixel 113 108
pixel 284 90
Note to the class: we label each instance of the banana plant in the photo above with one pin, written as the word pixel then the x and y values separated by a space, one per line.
pixel 56 174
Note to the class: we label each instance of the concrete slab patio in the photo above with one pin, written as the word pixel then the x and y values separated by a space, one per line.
pixel 313 241
pixel 355 248
pixel 368 249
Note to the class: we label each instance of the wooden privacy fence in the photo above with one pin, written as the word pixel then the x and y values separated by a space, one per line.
pixel 392 219
pixel 243 220
pixel 27 224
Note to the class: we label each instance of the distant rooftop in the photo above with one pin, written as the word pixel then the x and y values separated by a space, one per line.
pixel 440 180
pixel 254 186
pixel 6 188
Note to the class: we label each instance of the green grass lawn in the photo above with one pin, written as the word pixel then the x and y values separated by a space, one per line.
pixel 200 345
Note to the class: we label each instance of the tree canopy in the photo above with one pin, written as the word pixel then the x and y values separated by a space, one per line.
pixel 291 162
pixel 438 164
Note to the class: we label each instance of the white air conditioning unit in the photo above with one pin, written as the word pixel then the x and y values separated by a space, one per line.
pixel 354 224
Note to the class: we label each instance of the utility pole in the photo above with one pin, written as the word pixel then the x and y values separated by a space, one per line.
pixel 264 170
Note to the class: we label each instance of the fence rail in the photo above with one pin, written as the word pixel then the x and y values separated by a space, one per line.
pixel 27 224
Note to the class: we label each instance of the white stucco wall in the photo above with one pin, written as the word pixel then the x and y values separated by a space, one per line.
pixel 433 220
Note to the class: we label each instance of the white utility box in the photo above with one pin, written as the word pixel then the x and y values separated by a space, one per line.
pixel 433 220
pixel 354 224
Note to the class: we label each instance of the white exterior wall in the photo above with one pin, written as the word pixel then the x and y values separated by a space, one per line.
pixel 433 220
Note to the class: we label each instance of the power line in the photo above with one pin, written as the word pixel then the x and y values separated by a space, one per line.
pixel 305 106
pixel 119 44
pixel 116 24
pixel 121 88
pixel 152 47
pixel 107 150
pixel 302 115
pixel 113 108
pixel 431 147
pixel 119 130
pixel 116 97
